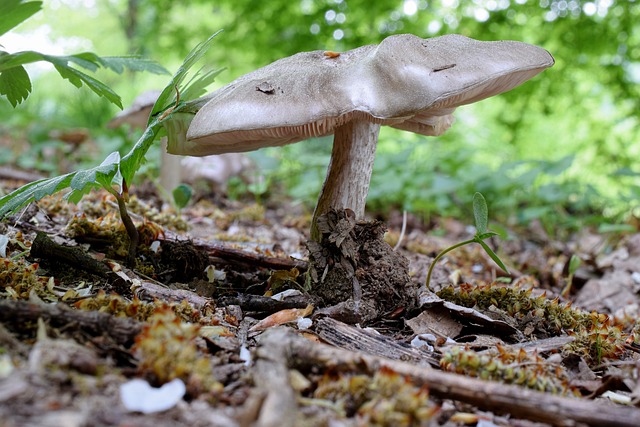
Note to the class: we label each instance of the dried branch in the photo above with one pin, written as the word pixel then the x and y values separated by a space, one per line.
pixel 216 250
pixel 45 248
pixel 18 315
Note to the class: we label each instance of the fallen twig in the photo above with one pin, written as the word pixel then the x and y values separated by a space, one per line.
pixel 45 248
pixel 148 291
pixel 18 315
pixel 216 250
pixel 264 304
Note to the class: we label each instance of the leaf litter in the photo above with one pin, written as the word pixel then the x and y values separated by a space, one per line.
pixel 72 338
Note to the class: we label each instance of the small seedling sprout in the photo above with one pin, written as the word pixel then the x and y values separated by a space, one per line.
pixel 574 264
pixel 481 216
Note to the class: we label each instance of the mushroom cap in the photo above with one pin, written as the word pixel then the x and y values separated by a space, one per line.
pixel 406 82
pixel 137 114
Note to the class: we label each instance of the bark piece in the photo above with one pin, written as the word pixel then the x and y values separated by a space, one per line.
pixel 279 407
pixel 351 338
pixel 263 304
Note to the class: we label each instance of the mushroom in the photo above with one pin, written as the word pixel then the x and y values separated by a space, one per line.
pixel 137 116
pixel 405 82
pixel 215 170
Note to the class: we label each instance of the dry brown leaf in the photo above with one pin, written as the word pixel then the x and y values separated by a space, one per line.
pixel 282 317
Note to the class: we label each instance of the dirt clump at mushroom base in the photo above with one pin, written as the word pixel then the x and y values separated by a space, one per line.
pixel 356 273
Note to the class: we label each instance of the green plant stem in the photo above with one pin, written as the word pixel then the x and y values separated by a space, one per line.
pixel 441 254
pixel 132 231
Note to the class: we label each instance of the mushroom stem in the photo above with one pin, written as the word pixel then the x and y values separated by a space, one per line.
pixel 170 168
pixel 349 173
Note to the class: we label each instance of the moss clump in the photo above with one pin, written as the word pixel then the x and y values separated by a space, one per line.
pixel 18 279
pixel 387 399
pixel 166 349
pixel 509 367
pixel 109 231
pixel 118 306
pixel 597 336
pixel 166 217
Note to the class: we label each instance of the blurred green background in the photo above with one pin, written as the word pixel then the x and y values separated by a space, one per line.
pixel 562 148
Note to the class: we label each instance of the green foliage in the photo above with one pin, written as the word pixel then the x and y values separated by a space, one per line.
pixel 114 173
pixel 15 83
pixel 182 195
pixel 426 176
pixel 195 87
pixel 507 147
pixel 481 215
pixel 14 12
pixel 574 264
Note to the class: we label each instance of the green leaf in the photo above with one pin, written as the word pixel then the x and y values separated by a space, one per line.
pixel 559 166
pixel 33 191
pixel 14 13
pixel 108 173
pixel 132 161
pixel 87 60
pixel 80 182
pixel 77 77
pixel 10 60
pixel 486 235
pixel 625 171
pixel 133 63
pixel 106 169
pixel 177 121
pixel 480 213
pixel 182 194
pixel 574 264
pixel 168 94
pixel 493 256
pixel 615 228
pixel 52 185
pixel 198 84
pixel 15 85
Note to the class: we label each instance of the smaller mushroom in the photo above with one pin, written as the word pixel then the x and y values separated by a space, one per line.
pixel 137 116
pixel 215 170
pixel 405 82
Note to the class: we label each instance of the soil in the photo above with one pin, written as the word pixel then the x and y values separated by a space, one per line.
pixel 356 272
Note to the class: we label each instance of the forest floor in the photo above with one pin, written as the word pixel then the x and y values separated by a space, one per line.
pixel 214 324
